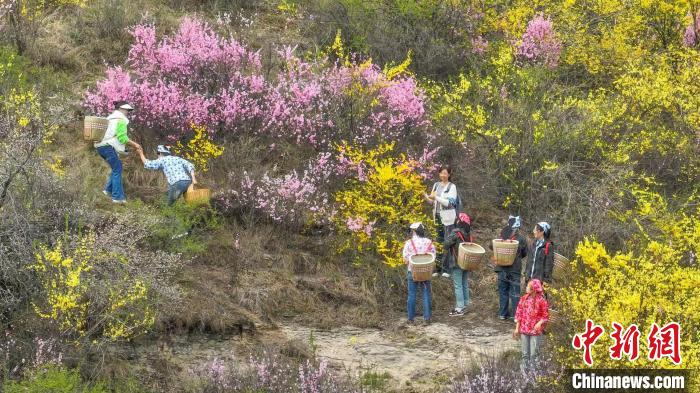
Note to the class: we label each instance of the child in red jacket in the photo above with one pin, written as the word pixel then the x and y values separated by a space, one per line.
pixel 531 317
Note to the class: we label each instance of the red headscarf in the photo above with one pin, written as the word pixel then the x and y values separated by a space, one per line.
pixel 536 285
pixel 465 218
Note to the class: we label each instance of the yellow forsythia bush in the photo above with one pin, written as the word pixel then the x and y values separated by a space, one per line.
pixel 34 9
pixel 200 149
pixel 70 299
pixel 62 277
pixel 655 280
pixel 376 208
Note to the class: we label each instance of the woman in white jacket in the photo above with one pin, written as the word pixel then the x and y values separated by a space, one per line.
pixel 443 197
pixel 114 143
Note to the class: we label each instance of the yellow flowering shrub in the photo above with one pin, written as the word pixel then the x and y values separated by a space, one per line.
pixel 655 279
pixel 200 149
pixel 62 276
pixel 392 71
pixel 71 291
pixel 129 311
pixel 19 99
pixel 375 209
pixel 33 9
pixel 288 7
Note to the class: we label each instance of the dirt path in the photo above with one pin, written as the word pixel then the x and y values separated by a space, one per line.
pixel 418 358
pixel 414 356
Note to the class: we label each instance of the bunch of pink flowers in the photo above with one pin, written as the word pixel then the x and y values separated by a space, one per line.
pixel 271 373
pixel 690 38
pixel 292 198
pixel 197 76
pixel 539 43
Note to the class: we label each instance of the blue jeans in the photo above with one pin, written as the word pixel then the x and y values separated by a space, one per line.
pixel 412 289
pixel 508 290
pixel 114 185
pixel 176 190
pixel 459 278
pixel 530 350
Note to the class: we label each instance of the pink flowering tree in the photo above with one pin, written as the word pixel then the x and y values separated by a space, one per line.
pixel 193 76
pixel 292 198
pixel 690 38
pixel 539 44
pixel 196 76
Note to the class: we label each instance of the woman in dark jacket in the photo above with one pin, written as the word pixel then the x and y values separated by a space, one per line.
pixel 460 233
pixel 540 261
pixel 509 276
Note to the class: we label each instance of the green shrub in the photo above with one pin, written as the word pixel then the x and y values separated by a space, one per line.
pixel 437 32
pixel 181 226
pixel 52 379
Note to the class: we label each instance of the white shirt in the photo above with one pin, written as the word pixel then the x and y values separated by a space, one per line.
pixel 447 216
pixel 110 137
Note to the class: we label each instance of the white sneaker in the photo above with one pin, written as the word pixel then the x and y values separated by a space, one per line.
pixel 446 275
pixel 105 192
pixel 122 201
pixel 435 274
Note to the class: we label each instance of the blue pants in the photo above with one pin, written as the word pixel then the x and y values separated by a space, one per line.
pixel 461 284
pixel 176 190
pixel 412 289
pixel 531 346
pixel 508 291
pixel 114 185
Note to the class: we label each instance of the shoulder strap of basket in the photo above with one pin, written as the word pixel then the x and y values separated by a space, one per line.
pixel 415 250
pixel 427 248
pixel 546 248
pixel 460 236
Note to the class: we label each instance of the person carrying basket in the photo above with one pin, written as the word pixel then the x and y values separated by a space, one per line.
pixel 419 243
pixel 540 262
pixel 178 171
pixel 461 233
pixel 112 145
pixel 509 276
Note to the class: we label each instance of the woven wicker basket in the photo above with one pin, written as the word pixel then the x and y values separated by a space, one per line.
pixel 504 251
pixel 94 128
pixel 561 265
pixel 554 316
pixel 422 266
pixel 197 197
pixel 469 256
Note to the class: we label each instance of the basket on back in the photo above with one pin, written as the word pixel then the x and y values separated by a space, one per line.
pixel 197 196
pixel 469 256
pixel 561 265
pixel 94 128
pixel 422 266
pixel 505 251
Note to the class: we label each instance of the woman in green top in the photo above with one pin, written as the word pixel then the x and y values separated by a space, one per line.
pixel 113 144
